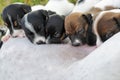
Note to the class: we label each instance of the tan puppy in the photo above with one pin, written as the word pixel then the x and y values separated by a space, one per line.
pixel 106 24
pixel 78 27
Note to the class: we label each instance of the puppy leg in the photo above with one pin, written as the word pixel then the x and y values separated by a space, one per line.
pixel 6 37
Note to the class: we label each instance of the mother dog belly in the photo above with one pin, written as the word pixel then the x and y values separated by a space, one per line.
pixel 37 61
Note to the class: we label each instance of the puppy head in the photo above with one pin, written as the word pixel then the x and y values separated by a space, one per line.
pixel 76 25
pixel 33 24
pixel 55 29
pixel 107 26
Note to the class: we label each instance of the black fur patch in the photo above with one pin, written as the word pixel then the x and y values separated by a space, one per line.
pixel 90 36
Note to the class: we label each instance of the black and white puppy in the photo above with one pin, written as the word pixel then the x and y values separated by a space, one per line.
pixel 33 24
pixel 10 14
pixel 55 29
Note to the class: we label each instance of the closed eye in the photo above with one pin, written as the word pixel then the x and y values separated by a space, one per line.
pixel 81 31
pixel 57 35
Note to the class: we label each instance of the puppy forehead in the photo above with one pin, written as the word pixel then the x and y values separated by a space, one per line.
pixel 74 22
pixel 73 16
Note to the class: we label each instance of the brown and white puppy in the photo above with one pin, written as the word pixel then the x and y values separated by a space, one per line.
pixel 104 5
pixel 78 27
pixel 106 24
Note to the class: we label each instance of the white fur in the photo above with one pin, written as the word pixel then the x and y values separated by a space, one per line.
pixel 61 7
pixel 85 6
pixel 37 7
pixel 102 4
pixel 29 26
pixel 96 21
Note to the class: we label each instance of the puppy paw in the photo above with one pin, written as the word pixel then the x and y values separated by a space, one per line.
pixel 5 38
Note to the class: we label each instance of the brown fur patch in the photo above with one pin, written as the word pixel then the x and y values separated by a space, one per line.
pixel 107 24
pixel 74 23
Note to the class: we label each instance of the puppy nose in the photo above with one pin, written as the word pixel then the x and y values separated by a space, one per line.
pixel 40 42
pixel 76 43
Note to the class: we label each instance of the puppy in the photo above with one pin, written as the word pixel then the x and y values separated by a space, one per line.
pixel 10 14
pixel 104 5
pixel 84 5
pixel 106 24
pixel 55 29
pixel 78 27
pixel 61 7
pixel 33 23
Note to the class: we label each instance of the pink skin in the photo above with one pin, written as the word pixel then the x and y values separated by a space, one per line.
pixel 20 34
pixel 5 38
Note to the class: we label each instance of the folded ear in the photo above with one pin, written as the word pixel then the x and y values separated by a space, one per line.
pixel 26 8
pixel 90 36
pixel 88 18
pixel 45 13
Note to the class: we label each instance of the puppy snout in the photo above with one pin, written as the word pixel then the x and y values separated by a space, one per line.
pixel 76 43
pixel 40 42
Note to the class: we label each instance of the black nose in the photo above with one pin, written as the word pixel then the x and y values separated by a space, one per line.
pixel 40 42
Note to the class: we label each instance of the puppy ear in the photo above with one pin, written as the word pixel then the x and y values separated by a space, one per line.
pixel 45 13
pixel 26 8
pixel 90 36
pixel 88 18
pixel 117 21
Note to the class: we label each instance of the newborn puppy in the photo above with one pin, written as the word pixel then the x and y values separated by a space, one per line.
pixel 106 24
pixel 55 29
pixel 10 14
pixel 78 27
pixel 84 5
pixel 104 5
pixel 34 24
